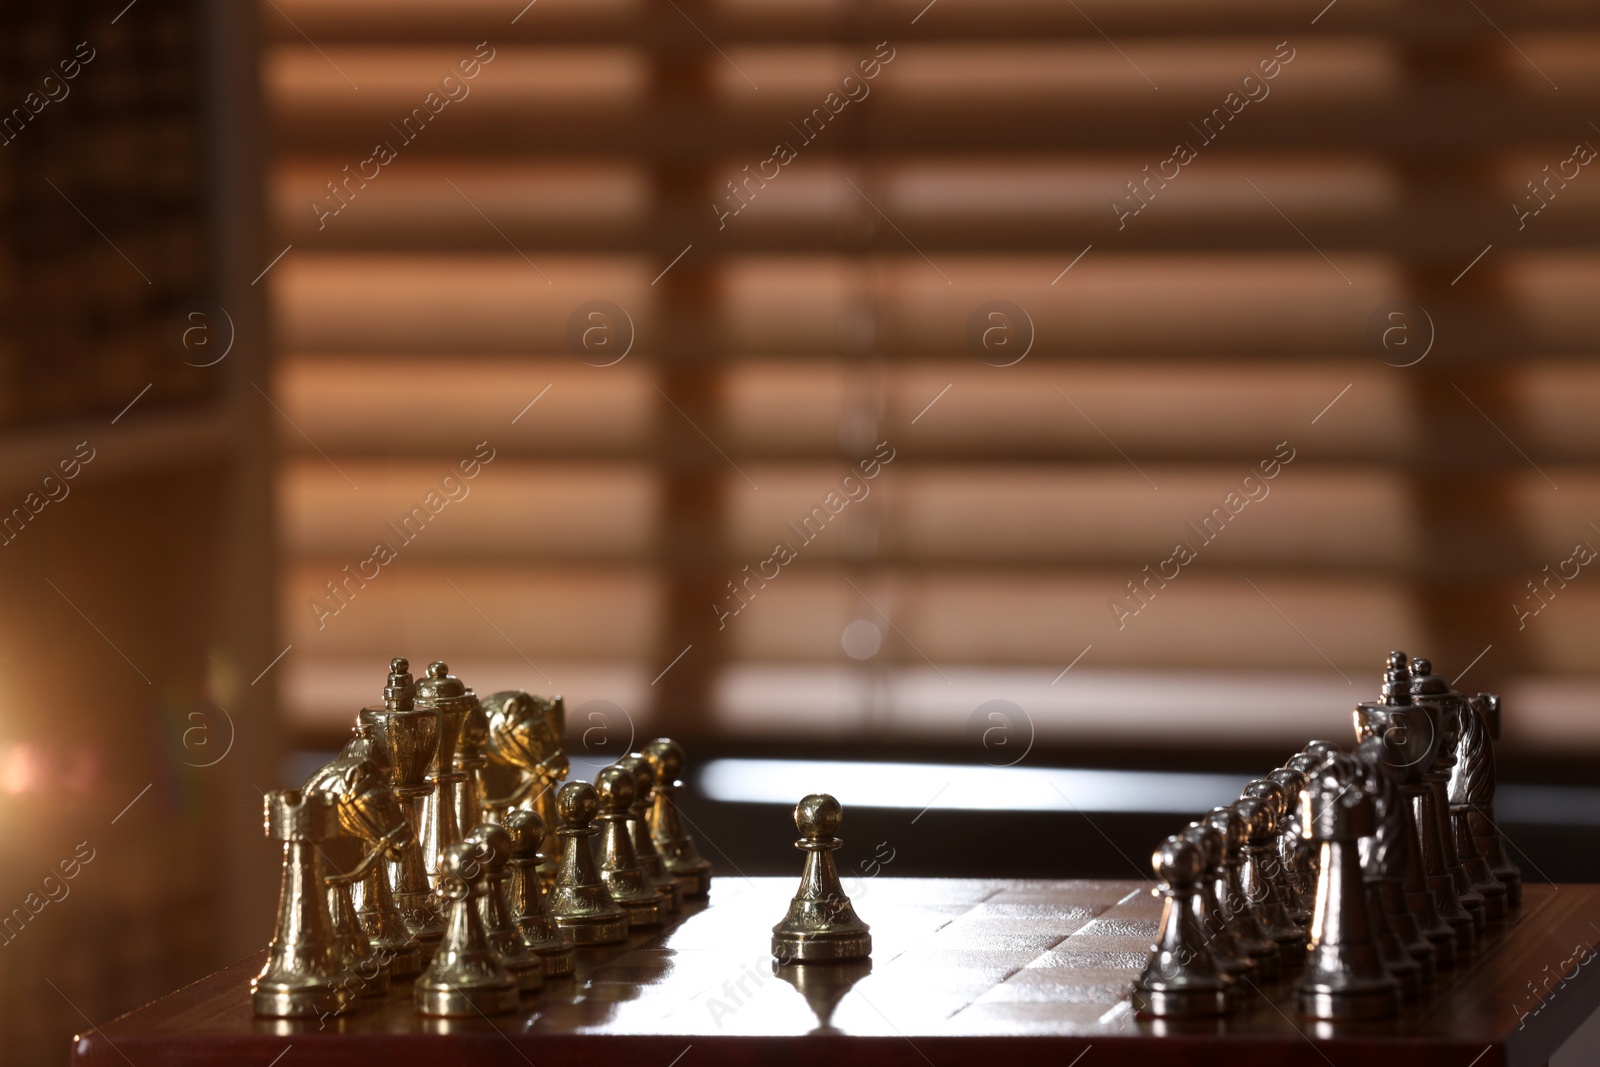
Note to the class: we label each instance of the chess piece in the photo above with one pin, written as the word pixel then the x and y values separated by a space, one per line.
pixel 1408 740
pixel 677 848
pixel 539 932
pixel 1473 762
pixel 409 737
pixel 579 901
pixel 1305 855
pixel 1181 979
pixel 1294 850
pixel 494 909
pixel 1229 889
pixel 525 736
pixel 442 692
pixel 304 975
pixel 370 819
pixel 1321 751
pixel 1383 860
pixel 821 923
pixel 1433 693
pixel 1273 866
pixel 465 977
pixel 376 911
pixel 1478 785
pixel 1260 891
pixel 619 867
pixel 644 847
pixel 470 760
pixel 1231 959
pixel 1344 975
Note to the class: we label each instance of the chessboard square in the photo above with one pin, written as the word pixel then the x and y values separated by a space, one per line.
pixel 1022 1018
pixel 1044 910
pixel 1110 933
pixel 930 967
pixel 1069 956
pixel 995 938
pixel 1097 985
pixel 1099 895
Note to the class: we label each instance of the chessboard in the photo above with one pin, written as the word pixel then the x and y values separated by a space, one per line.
pixel 1024 973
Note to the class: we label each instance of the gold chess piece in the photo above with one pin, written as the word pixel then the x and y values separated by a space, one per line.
pixel 379 916
pixel 370 817
pixel 525 738
pixel 409 738
pixel 644 847
pixel 619 867
pixel 494 908
pixel 677 848
pixel 539 932
pixel 442 692
pixel 465 977
pixel 821 923
pixel 304 975
pixel 579 901
pixel 470 760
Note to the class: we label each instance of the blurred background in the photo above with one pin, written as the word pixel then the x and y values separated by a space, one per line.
pixel 1025 421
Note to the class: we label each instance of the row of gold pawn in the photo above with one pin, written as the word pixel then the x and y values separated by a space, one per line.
pixel 441 844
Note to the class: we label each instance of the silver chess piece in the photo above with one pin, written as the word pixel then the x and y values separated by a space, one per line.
pixel 1273 866
pixel 821 923
pixel 1260 891
pixel 1344 975
pixel 1474 787
pixel 1383 859
pixel 1401 738
pixel 1229 888
pixel 1181 978
pixel 1433 693
pixel 1230 956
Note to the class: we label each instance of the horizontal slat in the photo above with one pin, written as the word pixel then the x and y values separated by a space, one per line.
pixel 395 407
pixel 584 21
pixel 970 618
pixel 1339 519
pixel 564 613
pixel 775 306
pixel 1230 201
pixel 1012 97
pixel 1025 414
pixel 1092 704
pixel 509 508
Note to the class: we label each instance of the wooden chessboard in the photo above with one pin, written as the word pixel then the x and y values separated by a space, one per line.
pixel 1024 973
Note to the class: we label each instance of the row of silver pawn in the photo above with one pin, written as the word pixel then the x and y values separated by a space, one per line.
pixel 481 898
pixel 1359 876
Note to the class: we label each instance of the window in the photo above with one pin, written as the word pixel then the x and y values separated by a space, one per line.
pixel 1200 354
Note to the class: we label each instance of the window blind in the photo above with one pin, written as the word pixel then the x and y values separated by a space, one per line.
pixel 1087 271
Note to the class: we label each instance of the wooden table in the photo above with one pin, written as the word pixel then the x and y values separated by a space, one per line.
pixel 1023 973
